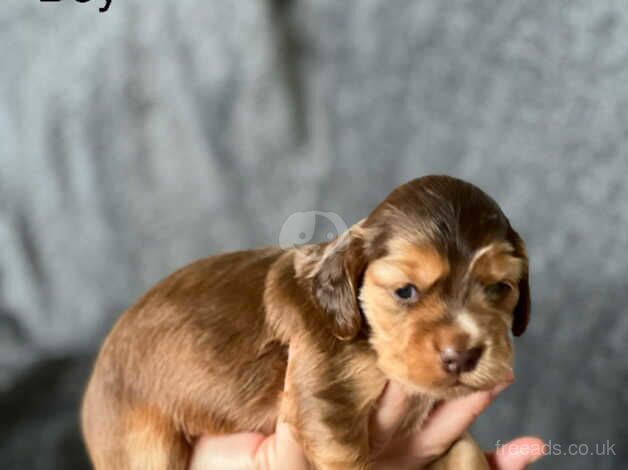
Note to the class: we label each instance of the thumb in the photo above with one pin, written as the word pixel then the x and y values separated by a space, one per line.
pixel 228 452
pixel 281 451
pixel 391 408
pixel 246 451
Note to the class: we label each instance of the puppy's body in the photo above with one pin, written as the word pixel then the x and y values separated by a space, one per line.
pixel 194 354
pixel 201 353
pixel 236 341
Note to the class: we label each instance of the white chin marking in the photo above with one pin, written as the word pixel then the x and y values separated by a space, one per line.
pixel 468 324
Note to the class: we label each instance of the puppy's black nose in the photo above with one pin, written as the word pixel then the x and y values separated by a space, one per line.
pixel 456 362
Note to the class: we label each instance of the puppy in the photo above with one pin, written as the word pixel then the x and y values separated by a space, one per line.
pixel 424 291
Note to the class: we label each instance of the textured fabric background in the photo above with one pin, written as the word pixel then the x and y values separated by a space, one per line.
pixel 135 141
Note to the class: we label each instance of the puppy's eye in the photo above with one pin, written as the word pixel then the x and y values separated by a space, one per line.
pixel 407 293
pixel 496 291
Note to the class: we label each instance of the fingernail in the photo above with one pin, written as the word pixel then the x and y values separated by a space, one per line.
pixel 500 388
pixel 537 457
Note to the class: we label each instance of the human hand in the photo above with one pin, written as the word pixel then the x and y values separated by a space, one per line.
pixel 446 423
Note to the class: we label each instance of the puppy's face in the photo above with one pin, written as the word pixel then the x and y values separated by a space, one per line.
pixel 441 324
pixel 437 279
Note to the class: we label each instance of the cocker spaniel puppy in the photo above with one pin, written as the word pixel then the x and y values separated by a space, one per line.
pixel 424 291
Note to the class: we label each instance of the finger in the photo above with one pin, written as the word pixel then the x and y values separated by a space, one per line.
pixel 229 452
pixel 247 451
pixel 391 408
pixel 517 454
pixel 281 451
pixel 449 420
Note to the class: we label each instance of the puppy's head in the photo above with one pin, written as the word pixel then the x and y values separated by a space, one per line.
pixel 437 279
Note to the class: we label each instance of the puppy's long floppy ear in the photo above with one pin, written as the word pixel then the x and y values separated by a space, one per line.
pixel 521 313
pixel 335 282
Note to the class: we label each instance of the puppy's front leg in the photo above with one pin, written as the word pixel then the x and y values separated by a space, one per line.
pixel 328 398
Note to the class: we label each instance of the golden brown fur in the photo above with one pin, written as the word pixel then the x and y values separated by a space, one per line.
pixel 206 350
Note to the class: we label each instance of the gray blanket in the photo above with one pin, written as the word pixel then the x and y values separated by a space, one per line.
pixel 136 140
